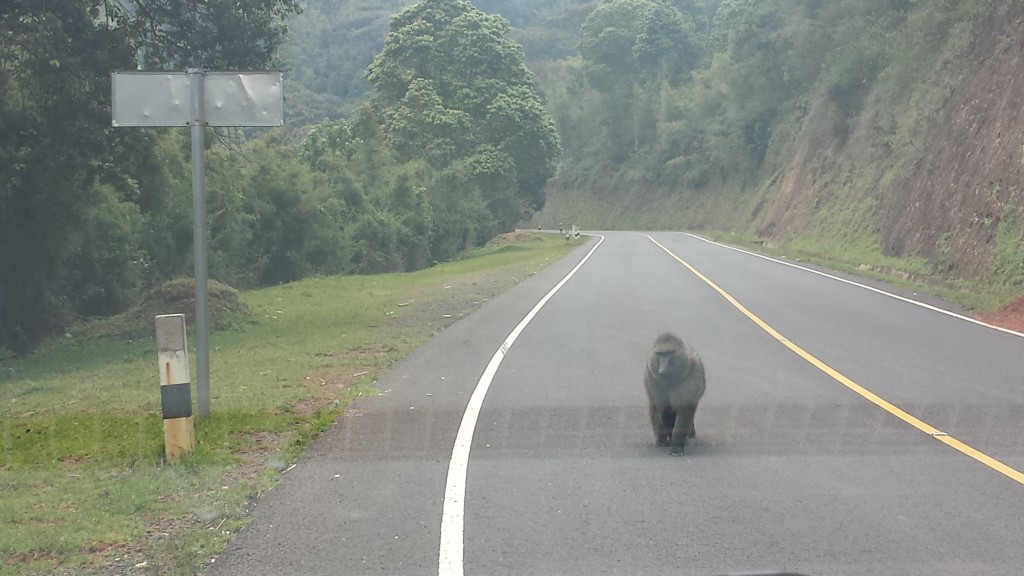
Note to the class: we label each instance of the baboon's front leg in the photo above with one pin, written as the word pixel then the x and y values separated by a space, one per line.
pixel 661 433
pixel 682 430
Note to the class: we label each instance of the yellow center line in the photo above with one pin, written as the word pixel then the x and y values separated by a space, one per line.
pixel 864 392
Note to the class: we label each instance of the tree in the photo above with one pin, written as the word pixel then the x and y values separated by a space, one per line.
pixel 629 42
pixel 453 89
pixel 81 202
pixel 57 161
pixel 240 34
pixel 666 46
pixel 382 203
pixel 629 48
pixel 767 54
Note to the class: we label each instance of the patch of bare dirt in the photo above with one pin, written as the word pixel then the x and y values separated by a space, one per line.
pixel 512 237
pixel 28 557
pixel 259 443
pixel 106 548
pixel 1011 317
pixel 148 554
pixel 345 369
pixel 331 382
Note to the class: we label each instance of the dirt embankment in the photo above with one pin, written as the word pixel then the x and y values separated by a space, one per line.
pixel 949 189
pixel 941 190
pixel 1011 317
pixel 949 206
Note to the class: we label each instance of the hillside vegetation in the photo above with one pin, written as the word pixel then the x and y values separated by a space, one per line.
pixel 886 135
pixel 881 135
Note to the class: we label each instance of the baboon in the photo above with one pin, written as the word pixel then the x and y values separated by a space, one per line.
pixel 674 379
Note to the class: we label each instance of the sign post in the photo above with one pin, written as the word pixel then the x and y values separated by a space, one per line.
pixel 198 121
pixel 198 98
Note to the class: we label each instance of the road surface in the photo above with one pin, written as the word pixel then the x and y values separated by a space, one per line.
pixel 843 432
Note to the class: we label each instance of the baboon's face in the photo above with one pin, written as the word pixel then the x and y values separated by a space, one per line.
pixel 664 362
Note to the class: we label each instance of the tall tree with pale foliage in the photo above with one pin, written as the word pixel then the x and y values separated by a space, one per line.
pixel 452 89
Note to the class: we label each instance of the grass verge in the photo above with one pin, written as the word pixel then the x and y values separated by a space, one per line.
pixel 863 259
pixel 83 485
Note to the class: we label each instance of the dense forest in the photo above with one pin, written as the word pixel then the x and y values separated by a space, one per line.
pixel 450 146
pixel 885 132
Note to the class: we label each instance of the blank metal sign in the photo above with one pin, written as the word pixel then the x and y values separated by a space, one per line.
pixel 164 98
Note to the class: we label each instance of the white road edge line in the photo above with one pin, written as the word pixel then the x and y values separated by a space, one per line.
pixel 866 287
pixel 450 559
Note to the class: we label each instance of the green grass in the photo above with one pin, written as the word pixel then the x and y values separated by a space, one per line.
pixel 864 258
pixel 83 483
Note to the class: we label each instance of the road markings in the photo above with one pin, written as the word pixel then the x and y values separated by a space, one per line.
pixel 864 392
pixel 450 558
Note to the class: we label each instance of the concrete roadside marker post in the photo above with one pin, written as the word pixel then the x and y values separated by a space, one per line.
pixel 175 386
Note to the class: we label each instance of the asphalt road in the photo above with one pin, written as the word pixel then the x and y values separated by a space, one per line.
pixel 850 433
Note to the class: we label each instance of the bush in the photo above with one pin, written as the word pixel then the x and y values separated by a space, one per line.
pixel 226 309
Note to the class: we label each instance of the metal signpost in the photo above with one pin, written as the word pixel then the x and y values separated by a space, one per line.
pixel 198 98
